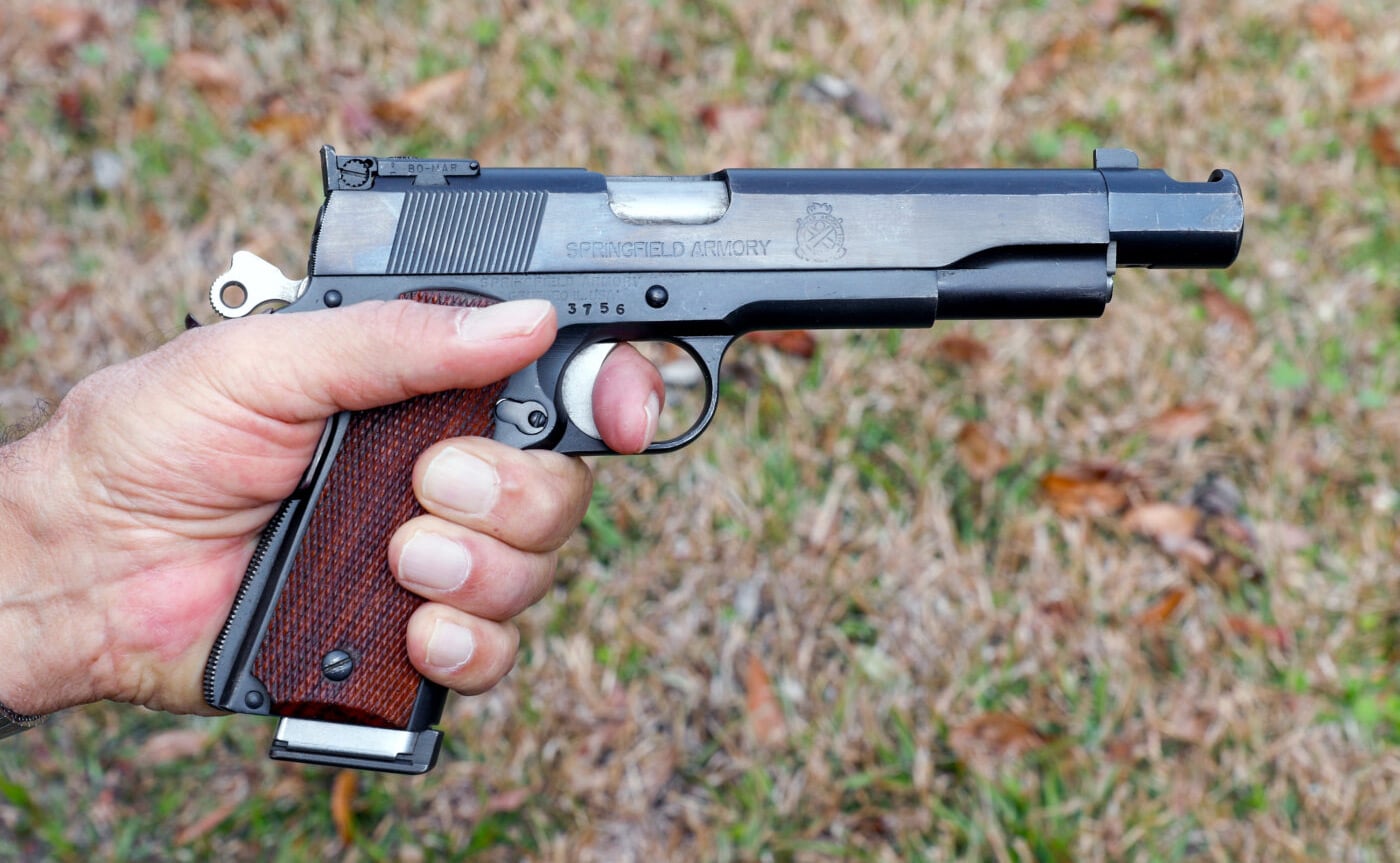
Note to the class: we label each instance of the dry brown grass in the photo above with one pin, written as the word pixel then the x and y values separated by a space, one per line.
pixel 813 635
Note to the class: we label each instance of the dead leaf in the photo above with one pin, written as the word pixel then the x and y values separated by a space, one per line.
pixel 1156 615
pixel 1053 62
pixel 277 8
pixel 343 791
pixel 1090 489
pixel 1384 145
pixel 178 744
pixel 210 74
pixel 981 454
pixel 1060 612
pixel 410 107
pixel 765 714
pixel 1183 422
pixel 142 117
pixel 205 825
pixel 1328 22
pixel 507 801
pixel 68 25
pixel 740 120
pixel 357 118
pixel 1249 629
pixel 62 303
pixel 963 349
pixel 279 120
pixel 72 108
pixel 1376 91
pixel 1222 309
pixel 1175 529
pixel 797 343
pixel 1150 13
pixel 987 742
pixel 1163 521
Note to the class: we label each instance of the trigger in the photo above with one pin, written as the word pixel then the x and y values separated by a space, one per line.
pixel 576 388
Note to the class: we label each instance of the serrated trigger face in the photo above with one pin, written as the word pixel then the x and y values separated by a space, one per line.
pixel 251 285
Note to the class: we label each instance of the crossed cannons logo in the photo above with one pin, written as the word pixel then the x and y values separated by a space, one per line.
pixel 820 237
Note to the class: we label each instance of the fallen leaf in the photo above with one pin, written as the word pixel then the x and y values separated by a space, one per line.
pixel 1090 488
pixel 296 128
pixel 63 302
pixel 1150 13
pixel 142 117
pixel 1174 528
pixel 1122 749
pixel 72 108
pixel 1059 612
pixel 1222 309
pixel 1183 422
pixel 962 349
pixel 68 25
pixel 210 74
pixel 507 801
pixel 205 825
pixel 1163 521
pixel 980 454
pixel 414 104
pixel 1384 145
pixel 1051 63
pixel 765 714
pixel 343 790
pixel 1249 629
pixel 357 118
pixel 987 742
pixel 1376 91
pixel 277 8
pixel 1328 22
pixel 797 343
pixel 178 744
pixel 1156 615
pixel 724 119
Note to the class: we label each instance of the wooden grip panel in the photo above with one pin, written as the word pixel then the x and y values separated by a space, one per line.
pixel 340 593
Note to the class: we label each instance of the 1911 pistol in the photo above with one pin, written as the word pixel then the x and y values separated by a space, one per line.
pixel 316 634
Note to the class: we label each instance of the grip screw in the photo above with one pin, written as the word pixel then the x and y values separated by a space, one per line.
pixel 337 665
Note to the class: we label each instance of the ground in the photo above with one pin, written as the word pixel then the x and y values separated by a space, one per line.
pixel 1122 589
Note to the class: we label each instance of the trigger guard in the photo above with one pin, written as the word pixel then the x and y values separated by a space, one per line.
pixel 576 388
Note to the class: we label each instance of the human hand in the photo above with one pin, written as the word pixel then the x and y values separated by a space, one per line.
pixel 127 522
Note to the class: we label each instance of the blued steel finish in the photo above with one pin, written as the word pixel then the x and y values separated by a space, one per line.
pixel 697 261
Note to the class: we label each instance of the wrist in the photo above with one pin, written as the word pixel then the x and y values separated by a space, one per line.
pixel 47 636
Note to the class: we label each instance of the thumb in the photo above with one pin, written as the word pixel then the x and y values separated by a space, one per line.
pixel 310 365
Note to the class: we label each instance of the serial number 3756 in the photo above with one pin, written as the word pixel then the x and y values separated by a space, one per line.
pixel 603 308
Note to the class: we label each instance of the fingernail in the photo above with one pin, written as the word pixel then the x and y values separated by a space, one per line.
pixel 433 561
pixel 450 646
pixel 462 482
pixel 653 417
pixel 503 320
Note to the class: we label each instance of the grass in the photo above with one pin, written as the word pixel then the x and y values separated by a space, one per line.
pixel 955 669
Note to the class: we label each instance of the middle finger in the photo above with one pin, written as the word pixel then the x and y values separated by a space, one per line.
pixel 530 499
